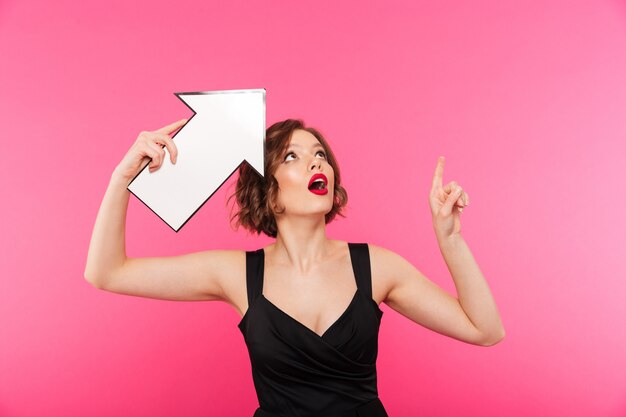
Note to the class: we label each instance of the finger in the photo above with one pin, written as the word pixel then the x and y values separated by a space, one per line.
pixel 155 152
pixel 173 150
pixel 450 202
pixel 171 127
pixel 163 139
pixel 155 162
pixel 151 156
pixel 438 177
pixel 450 187
pixel 463 200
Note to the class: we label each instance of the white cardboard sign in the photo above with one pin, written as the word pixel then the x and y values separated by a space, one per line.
pixel 227 128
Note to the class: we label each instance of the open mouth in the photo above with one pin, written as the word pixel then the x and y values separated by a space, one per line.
pixel 318 184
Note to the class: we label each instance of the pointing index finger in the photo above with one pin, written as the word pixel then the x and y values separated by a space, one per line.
pixel 438 177
pixel 172 127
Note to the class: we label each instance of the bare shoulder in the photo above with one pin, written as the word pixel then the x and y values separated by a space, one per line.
pixel 386 266
pixel 385 259
pixel 389 270
pixel 230 267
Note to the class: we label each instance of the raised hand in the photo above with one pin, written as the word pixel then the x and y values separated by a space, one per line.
pixel 149 147
pixel 446 204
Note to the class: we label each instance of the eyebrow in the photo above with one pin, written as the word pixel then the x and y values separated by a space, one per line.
pixel 317 145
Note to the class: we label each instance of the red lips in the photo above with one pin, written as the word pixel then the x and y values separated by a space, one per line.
pixel 322 191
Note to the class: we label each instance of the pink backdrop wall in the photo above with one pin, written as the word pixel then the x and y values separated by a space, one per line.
pixel 526 100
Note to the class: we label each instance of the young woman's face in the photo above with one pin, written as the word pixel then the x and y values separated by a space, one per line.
pixel 305 179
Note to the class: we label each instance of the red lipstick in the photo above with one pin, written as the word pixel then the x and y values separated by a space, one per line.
pixel 318 184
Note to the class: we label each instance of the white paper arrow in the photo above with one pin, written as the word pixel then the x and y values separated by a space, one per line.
pixel 227 128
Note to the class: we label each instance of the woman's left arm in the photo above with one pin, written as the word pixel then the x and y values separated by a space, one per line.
pixel 473 291
pixel 473 317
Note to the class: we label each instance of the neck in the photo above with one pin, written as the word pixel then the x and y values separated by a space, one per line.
pixel 301 241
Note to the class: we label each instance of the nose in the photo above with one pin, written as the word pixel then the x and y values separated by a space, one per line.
pixel 316 163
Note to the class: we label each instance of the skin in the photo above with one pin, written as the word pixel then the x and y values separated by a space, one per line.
pixel 307 275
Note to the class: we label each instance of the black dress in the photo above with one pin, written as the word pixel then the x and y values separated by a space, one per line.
pixel 298 373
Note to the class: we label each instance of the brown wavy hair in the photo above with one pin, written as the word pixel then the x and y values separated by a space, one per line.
pixel 256 195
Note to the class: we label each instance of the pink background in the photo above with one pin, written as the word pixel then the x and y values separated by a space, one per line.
pixel 526 100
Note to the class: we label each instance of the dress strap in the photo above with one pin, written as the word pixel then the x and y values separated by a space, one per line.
pixel 360 256
pixel 254 274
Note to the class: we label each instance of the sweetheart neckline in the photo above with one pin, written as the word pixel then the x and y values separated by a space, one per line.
pixel 341 316
pixel 379 312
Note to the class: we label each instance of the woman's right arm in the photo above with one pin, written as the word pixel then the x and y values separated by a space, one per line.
pixel 195 276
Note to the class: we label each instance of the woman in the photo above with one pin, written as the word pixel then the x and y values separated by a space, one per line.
pixel 309 304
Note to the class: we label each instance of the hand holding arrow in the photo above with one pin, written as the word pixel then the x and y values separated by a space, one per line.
pixel 146 149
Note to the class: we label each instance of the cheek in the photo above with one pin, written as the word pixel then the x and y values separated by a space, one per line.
pixel 331 175
pixel 287 180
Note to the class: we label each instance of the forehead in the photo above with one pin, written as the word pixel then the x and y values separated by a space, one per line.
pixel 303 139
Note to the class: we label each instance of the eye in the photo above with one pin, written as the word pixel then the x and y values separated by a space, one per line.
pixel 321 152
pixel 288 155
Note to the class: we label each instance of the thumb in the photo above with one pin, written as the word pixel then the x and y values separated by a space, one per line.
pixel 448 205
